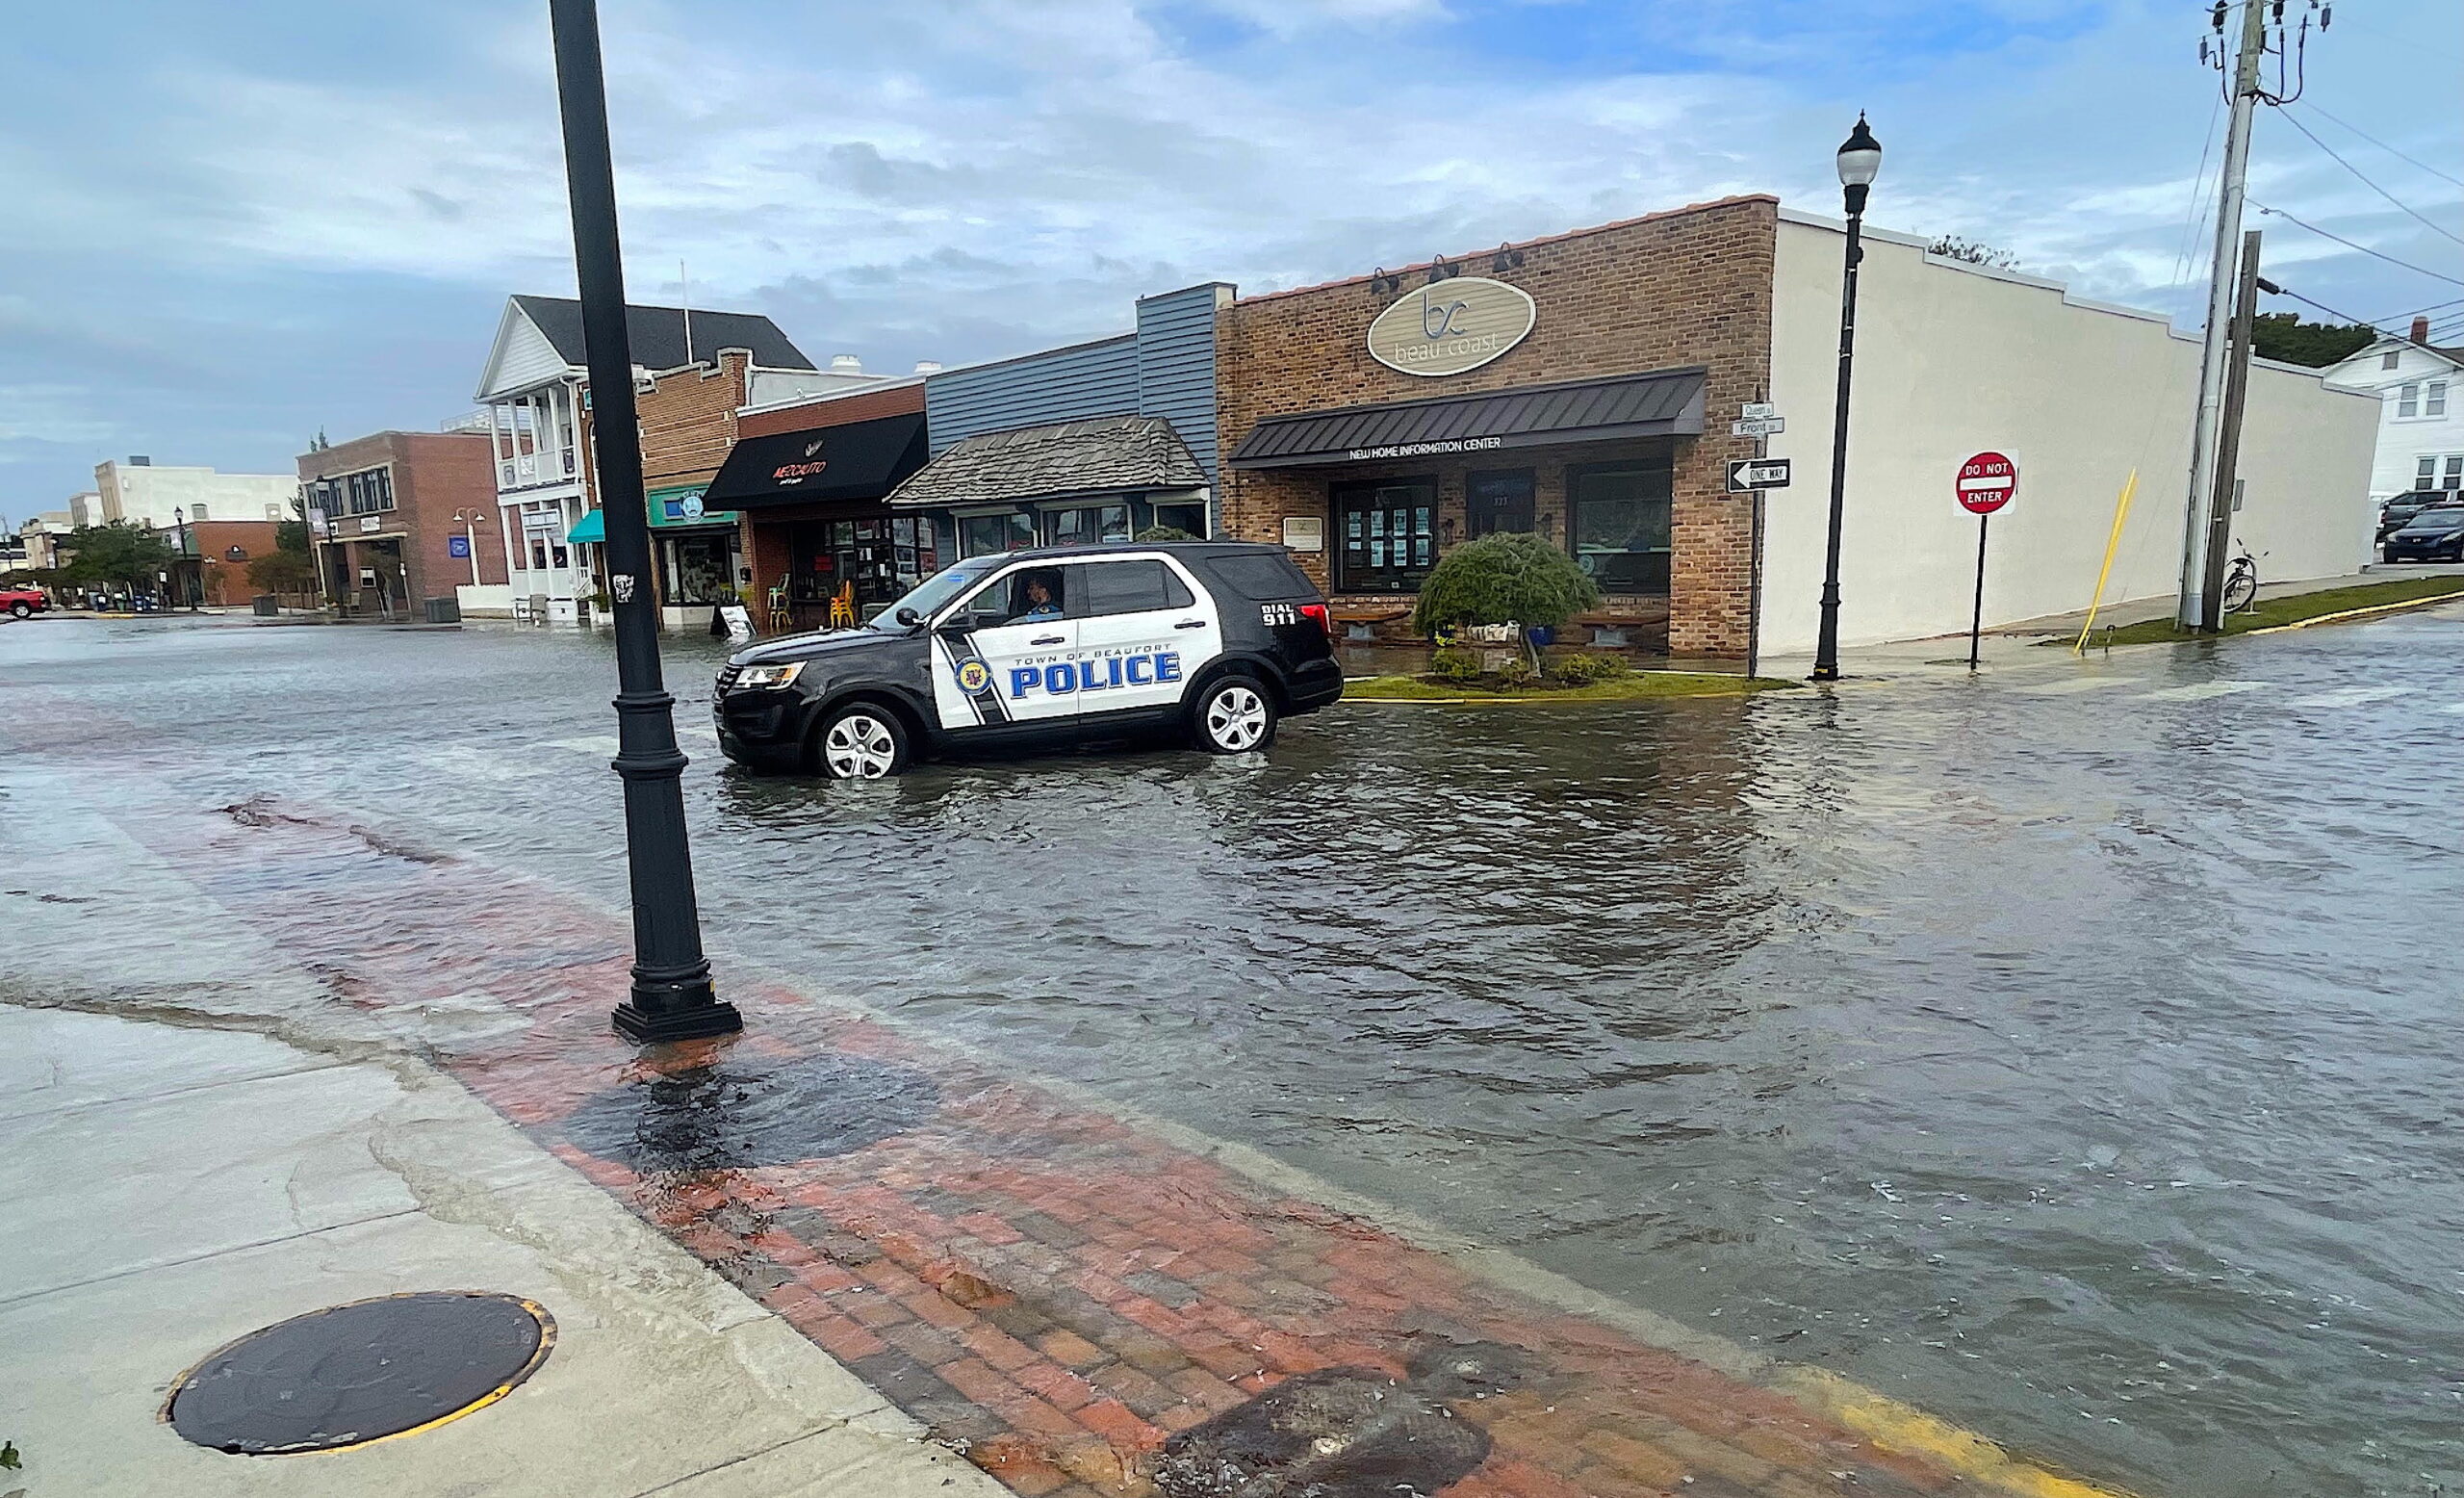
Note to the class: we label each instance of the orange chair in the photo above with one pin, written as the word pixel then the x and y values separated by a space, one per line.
pixel 842 607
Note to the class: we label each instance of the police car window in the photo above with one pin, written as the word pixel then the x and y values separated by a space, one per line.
pixel 1263 574
pixel 1037 593
pixel 1129 588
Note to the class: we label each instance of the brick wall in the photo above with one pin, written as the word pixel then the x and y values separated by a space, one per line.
pixel 836 411
pixel 1689 287
pixel 223 579
pixel 435 476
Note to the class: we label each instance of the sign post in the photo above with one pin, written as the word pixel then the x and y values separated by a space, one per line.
pixel 1985 483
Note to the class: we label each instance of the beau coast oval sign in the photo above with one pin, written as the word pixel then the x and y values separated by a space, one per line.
pixel 1455 324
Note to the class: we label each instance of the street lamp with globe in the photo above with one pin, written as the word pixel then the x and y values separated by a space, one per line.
pixel 1860 161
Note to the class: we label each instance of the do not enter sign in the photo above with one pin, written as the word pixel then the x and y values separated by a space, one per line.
pixel 1987 483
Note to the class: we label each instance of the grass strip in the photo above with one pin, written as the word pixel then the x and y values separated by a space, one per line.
pixel 2274 613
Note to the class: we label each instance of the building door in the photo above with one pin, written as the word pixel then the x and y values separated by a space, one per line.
pixel 1499 501
pixel 1141 631
pixel 1388 533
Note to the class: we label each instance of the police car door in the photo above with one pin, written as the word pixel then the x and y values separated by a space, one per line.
pixel 998 672
pixel 1145 628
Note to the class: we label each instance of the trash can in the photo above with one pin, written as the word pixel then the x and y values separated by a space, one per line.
pixel 266 605
pixel 444 611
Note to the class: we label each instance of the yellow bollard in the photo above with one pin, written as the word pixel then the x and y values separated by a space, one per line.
pixel 2113 544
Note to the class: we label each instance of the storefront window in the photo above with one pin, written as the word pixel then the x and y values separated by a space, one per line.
pixel 1188 519
pixel 1620 533
pixel 1088 525
pixel 1499 501
pixel 700 568
pixel 879 558
pixel 1389 534
pixel 988 536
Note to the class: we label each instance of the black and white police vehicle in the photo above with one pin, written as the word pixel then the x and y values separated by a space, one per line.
pixel 1034 649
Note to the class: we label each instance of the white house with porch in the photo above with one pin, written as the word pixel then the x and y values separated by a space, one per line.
pixel 533 394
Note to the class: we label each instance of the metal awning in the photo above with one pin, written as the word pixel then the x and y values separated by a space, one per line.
pixel 1659 403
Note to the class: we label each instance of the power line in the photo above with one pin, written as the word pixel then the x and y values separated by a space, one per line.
pixel 2349 244
pixel 2389 149
pixel 2183 253
pixel 2431 223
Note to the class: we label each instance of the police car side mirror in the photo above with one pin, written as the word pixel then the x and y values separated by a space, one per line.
pixel 908 618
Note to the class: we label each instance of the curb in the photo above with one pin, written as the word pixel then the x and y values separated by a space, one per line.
pixel 2362 613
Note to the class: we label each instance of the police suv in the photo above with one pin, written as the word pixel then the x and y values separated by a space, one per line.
pixel 1032 649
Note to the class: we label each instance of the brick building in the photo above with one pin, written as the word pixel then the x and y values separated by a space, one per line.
pixel 809 479
pixel 1585 387
pixel 210 559
pixel 397 517
pixel 1577 408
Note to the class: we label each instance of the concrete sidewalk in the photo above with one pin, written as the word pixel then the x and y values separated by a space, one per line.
pixel 2137 611
pixel 171 1189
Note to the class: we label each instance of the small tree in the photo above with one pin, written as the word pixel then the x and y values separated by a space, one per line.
pixel 119 550
pixel 1507 578
pixel 282 572
pixel 1164 533
pixel 2283 335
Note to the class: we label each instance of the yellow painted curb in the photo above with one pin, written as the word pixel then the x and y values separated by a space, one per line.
pixel 1900 1428
pixel 2363 613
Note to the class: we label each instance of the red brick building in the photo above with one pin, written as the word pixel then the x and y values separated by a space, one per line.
pixel 397 517
pixel 809 480
pixel 211 567
pixel 1578 386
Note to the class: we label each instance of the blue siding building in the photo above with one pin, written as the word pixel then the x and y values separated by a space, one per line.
pixel 1017 477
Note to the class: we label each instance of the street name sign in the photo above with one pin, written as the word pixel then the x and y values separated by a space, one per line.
pixel 1746 475
pixel 1758 426
pixel 1754 408
pixel 1986 483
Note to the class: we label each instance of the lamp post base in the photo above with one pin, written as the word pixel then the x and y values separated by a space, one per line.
pixel 1824 674
pixel 684 1022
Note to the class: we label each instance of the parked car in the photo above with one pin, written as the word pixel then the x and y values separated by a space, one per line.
pixel 2397 513
pixel 1214 640
pixel 23 603
pixel 2435 534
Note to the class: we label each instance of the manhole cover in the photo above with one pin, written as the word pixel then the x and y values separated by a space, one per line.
pixel 753 1110
pixel 353 1373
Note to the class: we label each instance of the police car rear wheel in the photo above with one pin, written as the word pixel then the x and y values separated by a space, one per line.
pixel 863 743
pixel 1234 716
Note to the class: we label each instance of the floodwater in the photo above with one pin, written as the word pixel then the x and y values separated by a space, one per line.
pixel 2074 1055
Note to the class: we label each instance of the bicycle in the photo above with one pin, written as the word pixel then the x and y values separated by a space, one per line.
pixel 2242 581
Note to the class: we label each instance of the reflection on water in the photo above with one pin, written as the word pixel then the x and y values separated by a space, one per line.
pixel 2079 1066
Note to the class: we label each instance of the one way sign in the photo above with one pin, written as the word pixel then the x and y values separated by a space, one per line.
pixel 1749 474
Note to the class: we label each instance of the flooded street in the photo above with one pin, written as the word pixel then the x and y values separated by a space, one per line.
pixel 2072 1056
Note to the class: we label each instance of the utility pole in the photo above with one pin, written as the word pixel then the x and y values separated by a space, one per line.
pixel 2231 190
pixel 672 998
pixel 2228 441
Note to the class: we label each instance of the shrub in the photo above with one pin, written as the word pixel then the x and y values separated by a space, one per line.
pixel 1519 672
pixel 1583 669
pixel 1508 579
pixel 1456 666
pixel 1164 533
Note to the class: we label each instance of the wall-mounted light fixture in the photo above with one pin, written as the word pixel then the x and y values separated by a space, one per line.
pixel 1505 259
pixel 1548 527
pixel 1446 528
pixel 1440 267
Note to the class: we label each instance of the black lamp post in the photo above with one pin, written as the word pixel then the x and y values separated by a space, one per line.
pixel 671 998
pixel 1861 158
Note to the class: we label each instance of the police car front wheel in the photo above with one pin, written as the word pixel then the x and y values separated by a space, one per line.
pixel 1235 715
pixel 862 742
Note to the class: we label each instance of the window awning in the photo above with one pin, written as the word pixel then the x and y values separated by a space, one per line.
pixel 592 527
pixel 1661 403
pixel 860 460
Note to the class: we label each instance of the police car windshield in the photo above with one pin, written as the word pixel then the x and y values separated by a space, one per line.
pixel 936 592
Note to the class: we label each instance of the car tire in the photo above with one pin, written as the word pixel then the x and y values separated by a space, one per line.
pixel 1234 714
pixel 862 740
pixel 20 611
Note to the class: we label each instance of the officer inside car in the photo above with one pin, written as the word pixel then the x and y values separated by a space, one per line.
pixel 1042 599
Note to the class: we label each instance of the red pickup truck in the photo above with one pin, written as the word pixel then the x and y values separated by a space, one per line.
pixel 18 603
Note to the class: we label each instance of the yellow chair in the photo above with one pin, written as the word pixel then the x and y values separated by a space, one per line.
pixel 842 607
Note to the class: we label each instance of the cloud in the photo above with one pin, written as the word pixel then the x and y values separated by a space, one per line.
pixel 284 222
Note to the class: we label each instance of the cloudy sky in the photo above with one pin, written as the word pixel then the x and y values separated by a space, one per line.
pixel 230 226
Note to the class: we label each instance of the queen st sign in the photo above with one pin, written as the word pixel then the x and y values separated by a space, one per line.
pixel 1451 325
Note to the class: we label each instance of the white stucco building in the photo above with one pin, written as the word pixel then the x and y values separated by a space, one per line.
pixel 139 489
pixel 2420 390
pixel 1954 359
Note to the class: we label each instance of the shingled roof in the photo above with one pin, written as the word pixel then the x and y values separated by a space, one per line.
pixel 657 335
pixel 1103 455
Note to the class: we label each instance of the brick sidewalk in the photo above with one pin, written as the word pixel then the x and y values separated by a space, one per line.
pixel 1053 1291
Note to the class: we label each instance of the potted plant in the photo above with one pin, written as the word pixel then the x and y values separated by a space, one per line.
pixel 1510 582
